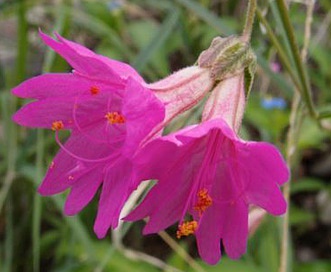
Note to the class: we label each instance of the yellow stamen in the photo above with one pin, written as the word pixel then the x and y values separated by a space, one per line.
pixel 204 201
pixel 94 90
pixel 186 228
pixel 57 125
pixel 115 118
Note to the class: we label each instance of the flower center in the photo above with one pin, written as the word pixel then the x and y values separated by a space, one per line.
pixel 94 90
pixel 186 228
pixel 204 201
pixel 57 125
pixel 115 118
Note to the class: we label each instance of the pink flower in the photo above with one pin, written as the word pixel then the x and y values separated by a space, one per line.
pixel 208 173
pixel 109 112
pixel 209 177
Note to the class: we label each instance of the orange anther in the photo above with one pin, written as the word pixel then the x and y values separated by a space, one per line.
pixel 186 228
pixel 94 90
pixel 115 118
pixel 204 201
pixel 57 125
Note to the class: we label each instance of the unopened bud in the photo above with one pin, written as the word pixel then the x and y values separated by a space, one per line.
pixel 227 57
pixel 232 64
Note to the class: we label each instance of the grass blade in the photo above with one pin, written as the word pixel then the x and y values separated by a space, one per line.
pixel 210 18
pixel 157 41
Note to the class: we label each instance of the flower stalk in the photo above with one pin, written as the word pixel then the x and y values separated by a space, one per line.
pixel 302 73
pixel 282 55
pixel 296 120
pixel 250 15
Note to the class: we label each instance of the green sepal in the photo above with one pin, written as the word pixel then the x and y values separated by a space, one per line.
pixel 249 73
pixel 227 57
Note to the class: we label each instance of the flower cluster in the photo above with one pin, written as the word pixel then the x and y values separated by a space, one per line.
pixel 207 177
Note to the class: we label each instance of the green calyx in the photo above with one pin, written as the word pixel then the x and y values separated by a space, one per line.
pixel 227 57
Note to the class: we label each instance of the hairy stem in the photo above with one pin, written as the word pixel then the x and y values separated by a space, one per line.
pixel 281 52
pixel 302 73
pixel 250 15
pixel 296 119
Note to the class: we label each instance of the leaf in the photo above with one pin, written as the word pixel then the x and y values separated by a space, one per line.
pixel 316 266
pixel 300 216
pixel 307 185
pixel 210 18
pixel 312 135
pixel 162 34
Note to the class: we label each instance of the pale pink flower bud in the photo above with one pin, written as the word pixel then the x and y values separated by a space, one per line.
pixel 181 91
pixel 227 101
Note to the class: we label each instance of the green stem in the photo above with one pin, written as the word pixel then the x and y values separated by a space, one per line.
pixel 37 206
pixel 8 263
pixel 324 114
pixel 281 52
pixel 292 136
pixel 296 120
pixel 9 104
pixel 40 154
pixel 303 76
pixel 22 48
pixel 250 15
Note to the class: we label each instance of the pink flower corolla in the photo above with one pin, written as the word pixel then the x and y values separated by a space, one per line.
pixel 209 177
pixel 109 112
pixel 209 173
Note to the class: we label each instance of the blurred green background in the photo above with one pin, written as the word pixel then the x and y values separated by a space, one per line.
pixel 158 38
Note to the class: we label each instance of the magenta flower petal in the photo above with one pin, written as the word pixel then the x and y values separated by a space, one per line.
pixel 57 177
pixel 208 236
pixel 81 59
pixel 120 68
pixel 119 182
pixel 168 210
pixel 44 113
pixel 53 85
pixel 72 111
pixel 65 169
pixel 83 190
pixel 263 189
pixel 88 63
pixel 266 155
pixel 144 111
pixel 235 229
